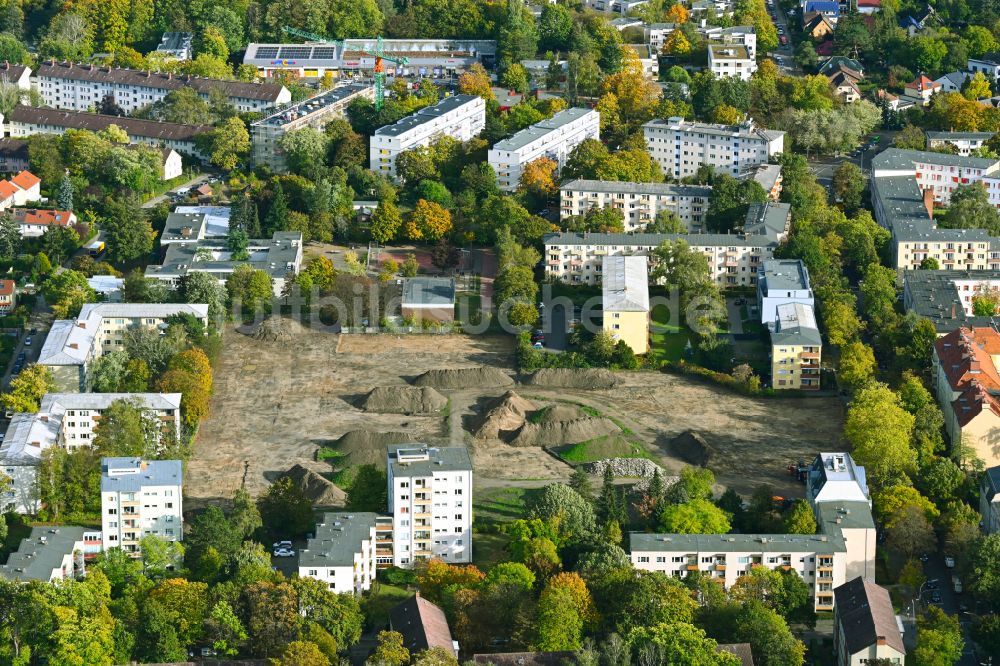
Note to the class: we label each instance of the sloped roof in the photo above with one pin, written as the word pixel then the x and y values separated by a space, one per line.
pixel 965 356
pixel 922 83
pixel 49 218
pixel 422 624
pixel 741 650
pixel 625 283
pixel 26 180
pixel 866 616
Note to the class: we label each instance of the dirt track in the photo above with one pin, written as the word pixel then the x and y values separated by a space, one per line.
pixel 276 403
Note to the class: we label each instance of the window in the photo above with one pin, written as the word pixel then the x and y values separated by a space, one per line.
pixel 458 491
pixel 458 530
pixel 643 558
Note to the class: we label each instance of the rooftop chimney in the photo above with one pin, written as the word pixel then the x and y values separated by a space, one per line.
pixel 74 345
pixel 952 310
pixel 929 202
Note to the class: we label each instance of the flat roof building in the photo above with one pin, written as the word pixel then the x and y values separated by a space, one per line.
pixel 731 60
pixel 428 298
pixel 680 146
pixel 782 281
pixel 639 202
pixel 140 498
pixel 190 224
pixel 553 138
pixel 176 45
pixel 796 347
pixel 945 297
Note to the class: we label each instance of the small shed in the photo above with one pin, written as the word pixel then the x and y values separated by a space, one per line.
pixel 429 298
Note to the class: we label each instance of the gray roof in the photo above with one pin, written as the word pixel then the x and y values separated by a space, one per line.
pixel 653 240
pixel 425 114
pixel 419 51
pixel 852 515
pixel 146 473
pixel 154 310
pixel 768 218
pixel 741 650
pixel 26 438
pixel 866 615
pixel 904 207
pixel 991 482
pixel 833 62
pixel 154 401
pixel 199 220
pixel 267 92
pixel 721 543
pixel 625 283
pixel 56 349
pixel 900 158
pixel 148 129
pixel 444 459
pixel 795 325
pixel 429 291
pixel 277 256
pixel 582 185
pixel 338 539
pixel 746 129
pixel 40 553
pixel 538 130
pixel 932 294
pixel 788 274
pixel 960 136
pixel 175 41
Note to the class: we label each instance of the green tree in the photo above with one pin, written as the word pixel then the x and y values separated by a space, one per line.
pixel 729 202
pixel 939 639
pixel 385 222
pixel 305 151
pixel 390 649
pixel 127 428
pixel 574 515
pixel 880 432
pixel 277 215
pixel 368 490
pixel 970 208
pixel 127 231
pixel 10 237
pixel 984 567
pixel 227 145
pixel 516 78
pixel 560 626
pixel 848 184
pixel 666 222
pixel 800 519
pixel 64 197
pixel 199 287
pixel 698 516
pixel 27 389
pixel 857 365
pixel 771 642
pixel 250 287
pixel 285 510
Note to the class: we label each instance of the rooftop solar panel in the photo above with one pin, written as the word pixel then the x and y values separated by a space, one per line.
pixel 266 52
pixel 324 52
pixel 295 51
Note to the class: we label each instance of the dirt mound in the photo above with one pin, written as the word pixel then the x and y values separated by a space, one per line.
pixel 559 433
pixel 692 448
pixel 590 378
pixel 507 414
pixel 404 400
pixel 320 491
pixel 461 378
pixel 560 413
pixel 273 329
pixel 365 447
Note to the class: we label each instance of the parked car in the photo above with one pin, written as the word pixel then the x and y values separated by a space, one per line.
pixel 936 597
pixel 283 552
pixel 27 341
pixel 932 584
pixel 9 414
pixel 949 562
pixel 281 544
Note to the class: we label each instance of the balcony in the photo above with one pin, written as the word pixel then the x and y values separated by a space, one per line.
pixel 422 553
pixel 692 567
pixel 425 514
pixel 720 567
pixel 383 540
pixel 810 355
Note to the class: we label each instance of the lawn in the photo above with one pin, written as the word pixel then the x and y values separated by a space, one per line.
pixel 377 604
pixel 667 340
pixel 608 446
pixel 488 549
pixel 501 505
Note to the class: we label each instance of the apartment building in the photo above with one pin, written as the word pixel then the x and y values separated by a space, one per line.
pixel 824 560
pixel 656 34
pixel 731 60
pixel 967 385
pixel 24 121
pixel 342 554
pixel 459 116
pixel 73 344
pixel 190 224
pixel 796 347
pixel 680 146
pixel 430 499
pixel 989 500
pixel 79 87
pixel 279 257
pixel 737 35
pixel 767 176
pixel 176 45
pixel 18 75
pixel 782 281
pixel 140 498
pixel 314 112
pixel 733 259
pixel 865 627
pixel 639 202
pixel 47 555
pixel 13 155
pixel 625 300
pixel 945 297
pixel 963 142
pixel 553 138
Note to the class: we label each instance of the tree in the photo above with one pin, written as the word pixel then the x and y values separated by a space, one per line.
pixel 385 222
pixel 250 287
pixel 984 567
pixel 730 201
pixel 303 653
pixel 699 516
pixel 970 208
pixel 10 237
pixel 272 616
pixel 224 628
pixel 848 184
pixel 679 643
pixel 939 639
pixel 516 78
pixel 27 389
pixel 227 145
pixel 666 222
pixel 857 365
pixel 538 179
pixel 438 579
pixel 199 287
pixel 911 533
pixel 880 430
pixel 560 626
pixel 285 510
pixel 771 642
pixel 305 151
pixel 159 555
pixel 476 81
pixel 573 514
pixel 676 44
pixel 428 221
pixel 126 428
pixel 800 520
pixel 368 490
pixel 977 87
pixel 390 650
pixel 436 656
pixel 127 231
pixel 64 197
pixel 623 599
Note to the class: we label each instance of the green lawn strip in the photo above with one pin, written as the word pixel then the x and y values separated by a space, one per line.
pixel 376 605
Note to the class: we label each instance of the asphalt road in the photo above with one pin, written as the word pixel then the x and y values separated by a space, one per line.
pixel 935 570
pixel 784 55
pixel 193 183
pixel 556 326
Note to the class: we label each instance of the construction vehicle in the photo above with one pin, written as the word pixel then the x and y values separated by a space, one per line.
pixel 379 54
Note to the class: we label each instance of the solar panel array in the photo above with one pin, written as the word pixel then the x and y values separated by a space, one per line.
pixel 266 52
pixel 324 52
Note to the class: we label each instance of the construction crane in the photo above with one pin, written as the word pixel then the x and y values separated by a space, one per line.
pixel 379 54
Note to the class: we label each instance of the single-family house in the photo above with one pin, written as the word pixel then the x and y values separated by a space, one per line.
pixel 952 81
pixel 922 88
pixel 817 26
pixel 8 295
pixel 422 624
pixel 865 627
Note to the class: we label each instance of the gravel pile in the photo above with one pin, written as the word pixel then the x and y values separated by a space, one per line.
pixel 627 467
pixel 320 491
pixel 463 378
pixel 274 329
pixel 507 414
pixel 560 433
pixel 404 400
pixel 590 378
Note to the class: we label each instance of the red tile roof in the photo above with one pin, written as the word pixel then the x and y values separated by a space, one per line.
pixel 869 3
pixel 26 180
pixel 923 83
pixel 7 190
pixel 422 624
pixel 59 218
pixel 7 287
pixel 965 356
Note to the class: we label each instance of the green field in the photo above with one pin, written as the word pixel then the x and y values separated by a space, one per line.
pixel 488 549
pixel 667 340
pixel 609 446
pixel 501 504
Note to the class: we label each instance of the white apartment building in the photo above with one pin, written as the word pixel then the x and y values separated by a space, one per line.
pixel 657 33
pixel 48 555
pixel 140 498
pixel 738 35
pixel 553 138
pixel 843 549
pixel 733 259
pixel 782 281
pixel 78 87
pixel 680 147
pixel 73 344
pixel 430 499
pixel 731 60
pixel 639 202
pixel 964 142
pixel 459 116
pixel 342 554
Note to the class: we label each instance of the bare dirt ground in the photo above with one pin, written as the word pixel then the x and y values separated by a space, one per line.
pixel 276 403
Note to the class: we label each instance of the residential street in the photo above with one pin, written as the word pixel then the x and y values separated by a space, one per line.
pixel 40 320
pixel 194 182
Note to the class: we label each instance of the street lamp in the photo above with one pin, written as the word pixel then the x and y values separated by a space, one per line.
pixel 920 594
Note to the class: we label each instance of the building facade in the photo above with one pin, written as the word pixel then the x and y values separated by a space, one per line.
pixel 430 499
pixel 342 554
pixel 989 500
pixel 730 60
pixel 963 142
pixel 35 222
pixel 865 629
pixel 796 348
pixel 140 498
pixel 48 555
pixel 553 138
pixel 680 146
pixel 639 202
pixel 460 116
pixel 625 300
pixel 945 297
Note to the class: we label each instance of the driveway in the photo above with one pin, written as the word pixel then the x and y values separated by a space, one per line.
pixel 193 183
pixel 734 314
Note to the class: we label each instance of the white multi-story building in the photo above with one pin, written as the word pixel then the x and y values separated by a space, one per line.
pixel 460 116
pixel 843 549
pixel 76 87
pixel 67 420
pixel 639 202
pixel 963 142
pixel 430 499
pixel 140 498
pixel 731 60
pixel 48 555
pixel 737 35
pixel 553 138
pixel 782 281
pixel 680 147
pixel 657 33
pixel 73 344
pixel 342 554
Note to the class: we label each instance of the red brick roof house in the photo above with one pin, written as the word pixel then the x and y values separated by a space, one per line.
pixel 422 624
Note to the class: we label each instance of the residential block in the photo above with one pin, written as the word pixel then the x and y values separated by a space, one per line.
pixel 342 554
pixel 625 300
pixel 639 202
pixel 796 347
pixel 681 146
pixel 48 555
pixel 140 498
pixel 553 138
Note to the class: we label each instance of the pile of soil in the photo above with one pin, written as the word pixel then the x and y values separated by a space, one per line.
pixel 505 416
pixel 321 492
pixel 560 433
pixel 274 329
pixel 365 447
pixel 463 378
pixel 559 413
pixel 403 400
pixel 692 448
pixel 589 378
